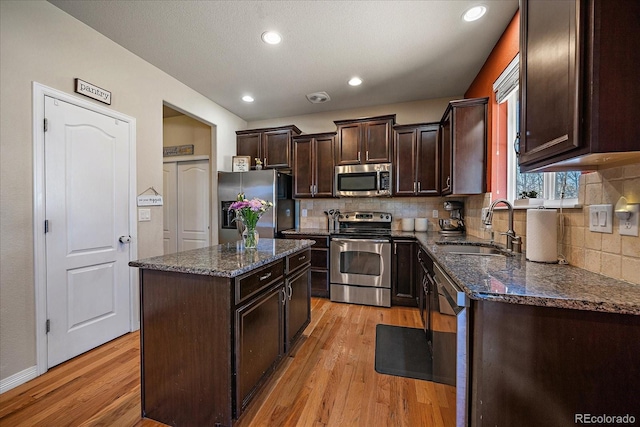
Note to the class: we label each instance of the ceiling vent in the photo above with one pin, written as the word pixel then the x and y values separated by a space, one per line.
pixel 318 97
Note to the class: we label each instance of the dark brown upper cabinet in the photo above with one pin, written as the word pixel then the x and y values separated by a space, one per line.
pixel 580 92
pixel 416 160
pixel 313 165
pixel 463 147
pixel 271 145
pixel 366 140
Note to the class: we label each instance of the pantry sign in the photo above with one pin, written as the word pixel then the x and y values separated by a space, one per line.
pixel 93 91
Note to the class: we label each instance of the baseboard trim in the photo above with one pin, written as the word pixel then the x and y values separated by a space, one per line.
pixel 18 379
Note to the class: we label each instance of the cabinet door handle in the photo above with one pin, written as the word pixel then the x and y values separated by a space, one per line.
pixel 311 189
pixel 414 187
pixel 266 276
pixel 302 257
pixel 418 186
pixel 448 181
pixel 367 156
pixel 289 291
pixel 516 144
pixel 284 295
pixel 358 156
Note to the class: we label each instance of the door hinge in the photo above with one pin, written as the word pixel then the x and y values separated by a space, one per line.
pixel 46 125
pixel 46 225
pixel 48 325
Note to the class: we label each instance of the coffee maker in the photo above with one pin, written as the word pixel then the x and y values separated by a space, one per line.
pixel 454 225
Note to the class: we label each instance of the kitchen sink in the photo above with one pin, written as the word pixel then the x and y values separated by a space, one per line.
pixel 463 249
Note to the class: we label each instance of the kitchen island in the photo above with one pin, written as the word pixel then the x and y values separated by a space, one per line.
pixel 215 323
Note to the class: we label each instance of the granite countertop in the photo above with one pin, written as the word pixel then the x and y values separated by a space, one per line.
pixel 308 232
pixel 226 260
pixel 513 279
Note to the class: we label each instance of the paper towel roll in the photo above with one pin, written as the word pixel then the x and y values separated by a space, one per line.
pixel 542 235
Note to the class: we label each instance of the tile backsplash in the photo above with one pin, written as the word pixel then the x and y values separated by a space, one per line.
pixel 399 207
pixel 612 255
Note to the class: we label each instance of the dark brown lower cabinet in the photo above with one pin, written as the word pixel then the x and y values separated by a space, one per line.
pixel 209 343
pixel 259 342
pixel 403 273
pixel 542 366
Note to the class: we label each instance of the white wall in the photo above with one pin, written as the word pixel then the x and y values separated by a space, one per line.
pixel 41 43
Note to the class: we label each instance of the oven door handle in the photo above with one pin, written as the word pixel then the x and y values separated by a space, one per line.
pixel 362 240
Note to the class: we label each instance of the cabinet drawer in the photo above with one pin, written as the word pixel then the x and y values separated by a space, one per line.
pixel 296 260
pixel 256 281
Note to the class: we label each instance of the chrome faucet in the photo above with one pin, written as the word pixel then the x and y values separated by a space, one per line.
pixel 514 243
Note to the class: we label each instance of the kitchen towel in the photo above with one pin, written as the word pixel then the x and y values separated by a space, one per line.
pixel 542 235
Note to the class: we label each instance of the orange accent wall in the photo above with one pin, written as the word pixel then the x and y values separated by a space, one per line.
pixel 502 54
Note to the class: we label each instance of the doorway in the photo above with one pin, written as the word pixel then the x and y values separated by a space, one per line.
pixel 189 186
pixel 84 225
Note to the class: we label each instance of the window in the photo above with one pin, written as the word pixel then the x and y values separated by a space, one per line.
pixel 552 186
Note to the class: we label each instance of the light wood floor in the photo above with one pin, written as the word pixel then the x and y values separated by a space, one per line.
pixel 329 380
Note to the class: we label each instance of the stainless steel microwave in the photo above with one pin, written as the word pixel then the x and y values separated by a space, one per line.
pixel 371 180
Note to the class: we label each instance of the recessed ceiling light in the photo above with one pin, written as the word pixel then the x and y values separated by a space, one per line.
pixel 355 81
pixel 271 37
pixel 474 13
pixel 247 98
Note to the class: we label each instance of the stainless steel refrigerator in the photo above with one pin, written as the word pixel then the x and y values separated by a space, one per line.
pixel 269 185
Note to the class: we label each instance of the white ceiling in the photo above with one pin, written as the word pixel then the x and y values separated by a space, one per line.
pixel 403 50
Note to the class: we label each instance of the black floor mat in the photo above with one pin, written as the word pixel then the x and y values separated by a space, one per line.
pixel 405 352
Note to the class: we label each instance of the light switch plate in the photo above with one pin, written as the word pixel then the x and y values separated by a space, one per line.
pixel 144 215
pixel 601 218
pixel 629 227
pixel 434 213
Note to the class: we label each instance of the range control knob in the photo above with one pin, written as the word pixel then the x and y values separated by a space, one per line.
pixel 347 216
pixel 381 216
pixel 387 216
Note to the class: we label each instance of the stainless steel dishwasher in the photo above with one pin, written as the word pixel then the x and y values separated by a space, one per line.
pixel 454 302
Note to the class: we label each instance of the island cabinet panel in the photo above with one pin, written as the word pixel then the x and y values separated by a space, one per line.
pixel 542 366
pixel 259 343
pixel 186 353
pixel 298 305
pixel 579 93
pixel 367 140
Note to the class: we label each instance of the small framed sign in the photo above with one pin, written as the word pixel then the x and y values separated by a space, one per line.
pixel 93 91
pixel 241 164
pixel 178 150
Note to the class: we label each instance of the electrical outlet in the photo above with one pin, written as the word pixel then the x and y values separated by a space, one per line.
pixel 601 218
pixel 434 214
pixel 304 212
pixel 629 227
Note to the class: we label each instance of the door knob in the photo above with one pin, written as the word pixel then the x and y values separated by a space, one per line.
pixel 125 239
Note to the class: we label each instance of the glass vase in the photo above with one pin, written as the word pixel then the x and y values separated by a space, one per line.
pixel 250 238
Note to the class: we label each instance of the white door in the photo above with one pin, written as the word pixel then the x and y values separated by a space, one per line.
pixel 193 205
pixel 186 205
pixel 170 207
pixel 87 210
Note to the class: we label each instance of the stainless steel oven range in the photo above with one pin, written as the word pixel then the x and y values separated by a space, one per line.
pixel 361 259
